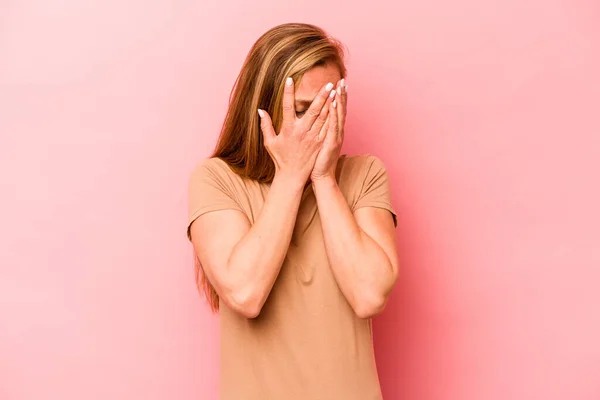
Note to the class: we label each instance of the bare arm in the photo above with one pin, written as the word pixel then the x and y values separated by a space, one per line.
pixel 242 261
pixel 360 247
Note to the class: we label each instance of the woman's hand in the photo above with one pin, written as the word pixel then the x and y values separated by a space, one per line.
pixel 326 162
pixel 295 149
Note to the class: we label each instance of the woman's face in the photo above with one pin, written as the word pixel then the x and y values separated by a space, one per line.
pixel 312 81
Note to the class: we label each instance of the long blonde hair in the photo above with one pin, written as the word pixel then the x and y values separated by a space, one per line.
pixel 287 50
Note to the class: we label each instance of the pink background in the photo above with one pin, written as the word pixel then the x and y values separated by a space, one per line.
pixel 485 112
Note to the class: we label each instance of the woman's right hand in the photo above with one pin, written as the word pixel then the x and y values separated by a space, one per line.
pixel 294 150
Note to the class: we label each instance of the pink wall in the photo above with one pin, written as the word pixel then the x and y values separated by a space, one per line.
pixel 486 113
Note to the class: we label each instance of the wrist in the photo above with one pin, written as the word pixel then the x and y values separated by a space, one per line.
pixel 290 181
pixel 327 180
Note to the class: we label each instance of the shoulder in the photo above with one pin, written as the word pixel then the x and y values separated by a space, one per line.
pixel 360 166
pixel 212 170
pixel 362 173
pixel 213 186
pixel 212 175
pixel 212 165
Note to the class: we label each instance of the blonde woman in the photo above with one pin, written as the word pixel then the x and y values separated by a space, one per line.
pixel 294 242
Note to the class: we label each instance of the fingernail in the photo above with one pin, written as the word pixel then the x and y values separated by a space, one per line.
pixel 261 113
pixel 334 104
pixel 289 81
pixel 332 94
pixel 329 86
pixel 342 82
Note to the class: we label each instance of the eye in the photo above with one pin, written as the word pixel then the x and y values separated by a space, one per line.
pixel 299 114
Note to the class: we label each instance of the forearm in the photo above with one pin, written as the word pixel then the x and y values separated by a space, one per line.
pixel 256 259
pixel 361 267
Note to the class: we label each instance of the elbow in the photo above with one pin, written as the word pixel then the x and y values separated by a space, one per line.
pixel 369 303
pixel 369 306
pixel 245 302
pixel 249 312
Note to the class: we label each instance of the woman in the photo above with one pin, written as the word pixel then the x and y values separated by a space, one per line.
pixel 294 243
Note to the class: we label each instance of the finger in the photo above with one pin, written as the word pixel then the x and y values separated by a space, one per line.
pixel 314 111
pixel 341 119
pixel 266 126
pixel 343 98
pixel 334 127
pixel 289 114
pixel 341 107
pixel 322 118
pixel 323 132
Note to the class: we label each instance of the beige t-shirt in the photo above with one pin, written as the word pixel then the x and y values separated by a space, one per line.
pixel 307 343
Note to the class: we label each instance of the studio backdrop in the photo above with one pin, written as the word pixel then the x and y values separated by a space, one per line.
pixel 486 114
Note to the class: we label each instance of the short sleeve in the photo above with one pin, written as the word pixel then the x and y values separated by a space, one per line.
pixel 375 188
pixel 208 191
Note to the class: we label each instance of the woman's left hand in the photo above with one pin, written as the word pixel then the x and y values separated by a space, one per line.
pixel 326 163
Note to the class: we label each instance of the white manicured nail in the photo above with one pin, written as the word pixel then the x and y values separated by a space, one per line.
pixel 261 113
pixel 289 81
pixel 329 86
pixel 334 104
pixel 332 94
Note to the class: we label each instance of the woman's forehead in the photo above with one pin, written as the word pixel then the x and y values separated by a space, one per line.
pixel 314 79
